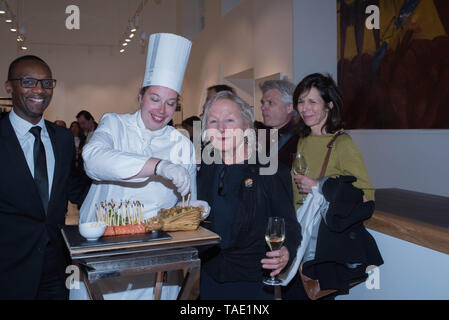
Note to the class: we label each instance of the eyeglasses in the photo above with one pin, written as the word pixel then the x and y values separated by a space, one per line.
pixel 32 83
pixel 221 181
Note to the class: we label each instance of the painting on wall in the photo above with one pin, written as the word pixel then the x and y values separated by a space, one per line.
pixel 395 76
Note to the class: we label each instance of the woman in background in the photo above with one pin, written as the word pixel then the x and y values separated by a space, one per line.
pixel 80 140
pixel 319 105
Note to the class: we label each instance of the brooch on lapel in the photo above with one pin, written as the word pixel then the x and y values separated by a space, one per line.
pixel 248 183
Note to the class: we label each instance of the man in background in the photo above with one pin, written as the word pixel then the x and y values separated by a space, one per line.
pixel 87 123
pixel 61 123
pixel 213 90
pixel 279 113
pixel 187 124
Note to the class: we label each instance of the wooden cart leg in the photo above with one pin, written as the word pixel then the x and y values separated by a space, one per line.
pixel 277 293
pixel 189 280
pixel 158 286
pixel 93 289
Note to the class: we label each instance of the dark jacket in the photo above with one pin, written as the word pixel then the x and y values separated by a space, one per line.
pixel 25 230
pixel 344 247
pixel 78 175
pixel 287 142
pixel 268 195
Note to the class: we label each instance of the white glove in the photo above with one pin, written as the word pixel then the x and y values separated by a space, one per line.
pixel 198 203
pixel 176 173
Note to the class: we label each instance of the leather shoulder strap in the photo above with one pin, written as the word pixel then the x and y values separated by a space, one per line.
pixel 329 149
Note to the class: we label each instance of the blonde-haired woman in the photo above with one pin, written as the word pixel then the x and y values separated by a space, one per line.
pixel 241 201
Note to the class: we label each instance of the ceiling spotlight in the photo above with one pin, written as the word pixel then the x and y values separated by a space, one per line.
pixel 13 29
pixel 128 40
pixel 124 44
pixel 8 18
pixel 2 8
pixel 122 50
pixel 131 35
pixel 23 48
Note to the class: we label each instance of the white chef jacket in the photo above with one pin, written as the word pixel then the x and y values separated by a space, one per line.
pixel 118 150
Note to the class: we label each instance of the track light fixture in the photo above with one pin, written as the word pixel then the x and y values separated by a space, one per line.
pixel 14 25
pixel 133 25
pixel 2 7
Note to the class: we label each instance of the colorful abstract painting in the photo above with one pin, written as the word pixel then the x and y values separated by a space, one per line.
pixel 397 76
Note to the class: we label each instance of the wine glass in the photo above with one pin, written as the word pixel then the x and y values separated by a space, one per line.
pixel 274 236
pixel 300 167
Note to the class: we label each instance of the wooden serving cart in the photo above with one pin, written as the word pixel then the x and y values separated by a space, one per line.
pixel 134 257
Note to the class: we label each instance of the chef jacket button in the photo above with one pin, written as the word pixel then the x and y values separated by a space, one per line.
pixel 352 235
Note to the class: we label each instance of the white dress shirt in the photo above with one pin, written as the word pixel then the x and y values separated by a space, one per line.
pixel 26 139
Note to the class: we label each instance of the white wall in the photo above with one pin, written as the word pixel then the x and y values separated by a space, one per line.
pixel 314 38
pixel 254 37
pixel 191 18
pixel 228 5
pixel 415 160
pixel 409 272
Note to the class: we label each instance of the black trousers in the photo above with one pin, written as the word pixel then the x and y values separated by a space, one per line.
pixel 52 285
pixel 213 290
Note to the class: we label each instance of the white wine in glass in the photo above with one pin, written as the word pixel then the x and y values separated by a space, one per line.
pixel 274 243
pixel 274 236
pixel 300 167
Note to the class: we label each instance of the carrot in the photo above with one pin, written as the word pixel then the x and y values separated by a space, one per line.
pixel 109 231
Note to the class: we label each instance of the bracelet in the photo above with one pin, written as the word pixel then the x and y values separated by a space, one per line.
pixel 155 167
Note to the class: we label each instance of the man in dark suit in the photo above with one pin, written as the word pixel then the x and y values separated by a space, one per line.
pixel 35 166
pixel 279 113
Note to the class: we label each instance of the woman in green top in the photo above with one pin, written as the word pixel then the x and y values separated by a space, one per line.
pixel 319 104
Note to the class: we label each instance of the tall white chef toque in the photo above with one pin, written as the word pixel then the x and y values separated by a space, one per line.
pixel 167 59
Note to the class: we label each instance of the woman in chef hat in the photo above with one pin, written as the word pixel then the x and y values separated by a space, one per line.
pixel 138 157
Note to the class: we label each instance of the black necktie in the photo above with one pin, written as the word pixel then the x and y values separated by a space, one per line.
pixel 40 166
